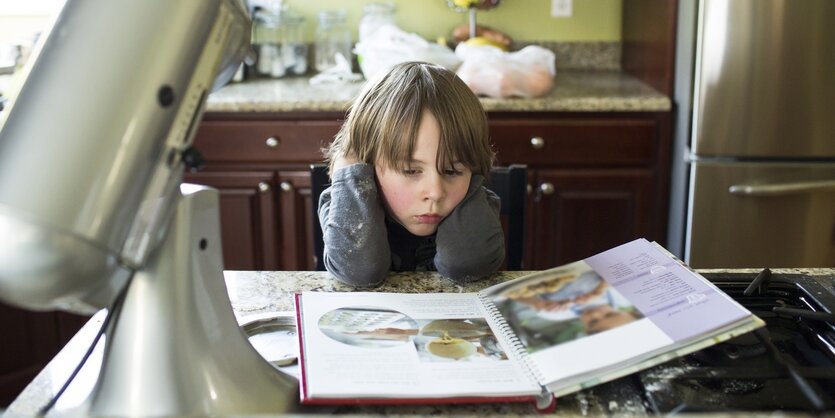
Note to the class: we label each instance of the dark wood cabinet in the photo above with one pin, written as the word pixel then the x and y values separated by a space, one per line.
pixel 296 219
pixel 248 211
pixel 260 164
pixel 596 180
pixel 577 213
pixel 30 340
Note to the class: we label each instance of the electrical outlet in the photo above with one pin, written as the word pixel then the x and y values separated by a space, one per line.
pixel 561 8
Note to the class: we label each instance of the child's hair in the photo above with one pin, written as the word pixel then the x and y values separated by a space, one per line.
pixel 382 123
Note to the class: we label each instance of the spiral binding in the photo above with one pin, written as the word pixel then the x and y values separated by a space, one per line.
pixel 510 337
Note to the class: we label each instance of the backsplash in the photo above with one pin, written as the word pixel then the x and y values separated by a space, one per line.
pixel 591 56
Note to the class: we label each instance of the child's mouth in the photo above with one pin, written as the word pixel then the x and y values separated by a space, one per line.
pixel 430 219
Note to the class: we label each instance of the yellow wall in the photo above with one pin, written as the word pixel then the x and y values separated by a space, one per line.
pixel 524 20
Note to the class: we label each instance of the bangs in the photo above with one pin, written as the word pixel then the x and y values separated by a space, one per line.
pixel 455 144
pixel 459 143
pixel 382 125
pixel 398 135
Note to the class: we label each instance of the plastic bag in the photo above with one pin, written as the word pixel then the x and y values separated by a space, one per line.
pixel 339 73
pixel 389 45
pixel 489 71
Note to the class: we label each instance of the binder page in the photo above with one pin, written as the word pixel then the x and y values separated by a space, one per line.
pixel 571 322
pixel 677 300
pixel 580 321
pixel 388 345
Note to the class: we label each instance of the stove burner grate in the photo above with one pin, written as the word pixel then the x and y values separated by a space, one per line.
pixel 787 365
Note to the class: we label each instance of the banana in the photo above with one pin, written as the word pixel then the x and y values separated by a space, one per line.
pixel 465 4
pixel 480 40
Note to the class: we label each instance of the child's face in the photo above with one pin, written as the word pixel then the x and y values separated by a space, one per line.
pixel 418 197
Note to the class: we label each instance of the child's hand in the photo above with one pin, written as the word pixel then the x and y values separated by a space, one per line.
pixel 344 161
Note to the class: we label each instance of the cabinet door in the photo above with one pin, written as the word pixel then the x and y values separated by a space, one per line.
pixel 30 340
pixel 247 217
pixel 578 213
pixel 296 221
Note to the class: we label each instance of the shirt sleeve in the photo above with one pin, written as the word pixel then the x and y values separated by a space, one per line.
pixel 353 227
pixel 470 241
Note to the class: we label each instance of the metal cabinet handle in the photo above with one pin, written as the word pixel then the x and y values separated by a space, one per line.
pixel 781 188
pixel 546 189
pixel 286 186
pixel 263 187
pixel 272 142
pixel 537 142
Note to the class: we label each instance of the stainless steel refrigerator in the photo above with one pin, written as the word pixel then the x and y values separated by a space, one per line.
pixel 756 133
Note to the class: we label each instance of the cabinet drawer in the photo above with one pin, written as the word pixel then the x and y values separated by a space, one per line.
pixel 264 141
pixel 575 142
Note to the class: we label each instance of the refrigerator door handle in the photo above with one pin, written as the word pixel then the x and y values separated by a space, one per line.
pixel 781 188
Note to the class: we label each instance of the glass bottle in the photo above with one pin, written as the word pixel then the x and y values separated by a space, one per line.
pixel 293 46
pixel 332 37
pixel 375 15
pixel 278 41
pixel 265 42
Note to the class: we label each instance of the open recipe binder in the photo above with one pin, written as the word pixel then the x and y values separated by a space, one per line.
pixel 533 338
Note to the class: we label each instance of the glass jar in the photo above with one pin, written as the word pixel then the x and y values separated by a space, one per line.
pixel 265 30
pixel 332 37
pixel 375 15
pixel 291 41
pixel 278 40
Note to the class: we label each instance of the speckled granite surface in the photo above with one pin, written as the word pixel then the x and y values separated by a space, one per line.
pixel 579 91
pixel 583 55
pixel 253 293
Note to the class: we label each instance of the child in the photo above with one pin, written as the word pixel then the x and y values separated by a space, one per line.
pixel 407 172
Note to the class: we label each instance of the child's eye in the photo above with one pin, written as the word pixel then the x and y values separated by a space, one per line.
pixel 452 172
pixel 409 171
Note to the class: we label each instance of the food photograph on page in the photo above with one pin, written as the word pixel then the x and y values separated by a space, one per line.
pixel 435 340
pixel 568 306
pixel 458 340
pixel 368 326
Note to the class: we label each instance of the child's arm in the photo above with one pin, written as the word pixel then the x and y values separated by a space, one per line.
pixel 470 241
pixel 353 227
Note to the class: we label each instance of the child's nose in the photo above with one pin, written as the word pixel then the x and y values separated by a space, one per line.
pixel 433 187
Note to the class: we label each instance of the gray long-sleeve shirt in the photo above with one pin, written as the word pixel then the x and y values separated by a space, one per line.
pixel 362 243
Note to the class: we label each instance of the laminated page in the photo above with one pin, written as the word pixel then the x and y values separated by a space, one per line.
pixel 596 319
pixel 679 302
pixel 405 346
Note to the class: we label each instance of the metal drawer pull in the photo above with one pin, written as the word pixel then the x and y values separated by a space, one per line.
pixel 272 142
pixel 546 189
pixel 263 186
pixel 286 186
pixel 781 188
pixel 537 142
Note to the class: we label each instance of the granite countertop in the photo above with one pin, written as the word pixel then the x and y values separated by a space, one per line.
pixel 255 293
pixel 574 90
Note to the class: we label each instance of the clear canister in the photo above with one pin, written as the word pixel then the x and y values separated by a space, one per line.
pixel 332 37
pixel 375 15
pixel 291 41
pixel 278 40
pixel 265 42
